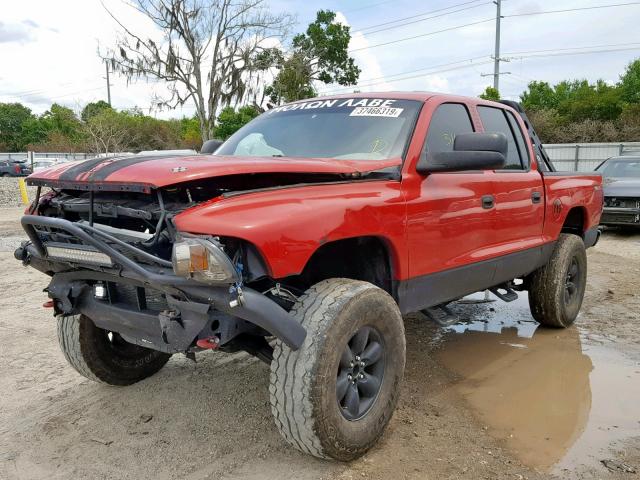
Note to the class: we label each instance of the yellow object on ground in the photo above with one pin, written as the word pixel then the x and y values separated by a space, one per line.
pixel 23 191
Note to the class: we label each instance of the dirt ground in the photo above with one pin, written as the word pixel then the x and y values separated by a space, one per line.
pixel 494 397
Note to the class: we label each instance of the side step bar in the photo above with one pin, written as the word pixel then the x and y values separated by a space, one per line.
pixel 441 315
pixel 509 294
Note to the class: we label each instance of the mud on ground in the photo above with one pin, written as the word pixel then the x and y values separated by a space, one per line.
pixel 495 397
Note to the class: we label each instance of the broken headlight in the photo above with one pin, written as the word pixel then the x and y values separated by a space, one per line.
pixel 202 260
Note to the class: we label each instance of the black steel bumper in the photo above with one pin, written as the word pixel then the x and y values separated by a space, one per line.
pixel 192 304
pixel 620 216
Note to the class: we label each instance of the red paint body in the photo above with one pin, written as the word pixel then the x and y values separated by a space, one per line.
pixel 428 223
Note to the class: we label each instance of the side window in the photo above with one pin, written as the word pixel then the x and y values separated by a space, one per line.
pixel 495 120
pixel 449 120
pixel 520 139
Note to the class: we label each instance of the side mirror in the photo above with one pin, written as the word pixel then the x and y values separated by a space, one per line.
pixel 210 146
pixel 471 151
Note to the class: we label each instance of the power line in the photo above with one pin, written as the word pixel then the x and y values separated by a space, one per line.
pixel 412 17
pixel 368 6
pixel 589 52
pixel 388 80
pixel 595 49
pixel 595 7
pixel 575 48
pixel 425 19
pixel 32 92
pixel 422 35
pixel 466 60
pixel 57 96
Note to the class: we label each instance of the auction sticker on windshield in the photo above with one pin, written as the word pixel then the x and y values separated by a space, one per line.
pixel 376 112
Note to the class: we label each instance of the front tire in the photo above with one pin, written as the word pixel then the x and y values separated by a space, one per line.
pixel 333 397
pixel 104 356
pixel 556 290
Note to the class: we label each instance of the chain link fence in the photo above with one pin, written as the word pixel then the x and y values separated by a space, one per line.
pixel 24 155
pixel 584 157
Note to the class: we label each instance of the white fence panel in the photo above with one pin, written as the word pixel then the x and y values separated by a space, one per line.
pixel 584 157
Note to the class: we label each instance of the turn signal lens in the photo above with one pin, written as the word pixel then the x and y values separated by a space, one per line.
pixel 203 261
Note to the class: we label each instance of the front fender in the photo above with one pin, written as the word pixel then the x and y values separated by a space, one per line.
pixel 288 225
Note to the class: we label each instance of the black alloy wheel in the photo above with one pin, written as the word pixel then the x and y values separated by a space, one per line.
pixel 360 373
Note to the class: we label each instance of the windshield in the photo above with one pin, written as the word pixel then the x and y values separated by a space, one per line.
pixel 621 169
pixel 344 128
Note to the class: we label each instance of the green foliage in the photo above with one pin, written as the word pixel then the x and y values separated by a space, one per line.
pixel 190 133
pixel 99 129
pixel 13 117
pixel 539 96
pixel 93 108
pixel 293 82
pixel 490 93
pixel 63 120
pixel 630 82
pixel 579 111
pixel 320 54
pixel 230 120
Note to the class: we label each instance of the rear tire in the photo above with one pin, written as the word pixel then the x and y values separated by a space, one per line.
pixel 104 356
pixel 355 334
pixel 556 290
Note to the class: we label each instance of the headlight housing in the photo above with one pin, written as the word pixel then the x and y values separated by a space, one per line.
pixel 202 260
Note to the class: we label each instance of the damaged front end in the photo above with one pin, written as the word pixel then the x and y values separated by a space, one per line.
pixel 117 258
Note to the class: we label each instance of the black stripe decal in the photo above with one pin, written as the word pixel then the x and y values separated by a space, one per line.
pixel 104 172
pixel 82 167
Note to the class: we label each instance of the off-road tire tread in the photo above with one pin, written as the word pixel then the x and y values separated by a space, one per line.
pixel 291 374
pixel 545 282
pixel 85 360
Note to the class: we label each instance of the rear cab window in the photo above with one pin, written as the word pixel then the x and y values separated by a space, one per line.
pixel 498 120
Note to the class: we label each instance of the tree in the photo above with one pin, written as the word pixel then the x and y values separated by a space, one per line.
pixel 490 93
pixel 583 101
pixel 13 117
pixel 231 121
pixel 108 132
pixel 207 52
pixel 190 133
pixel 321 54
pixel 539 96
pixel 630 82
pixel 93 108
pixel 63 120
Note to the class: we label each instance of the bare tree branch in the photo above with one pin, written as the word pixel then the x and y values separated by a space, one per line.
pixel 205 51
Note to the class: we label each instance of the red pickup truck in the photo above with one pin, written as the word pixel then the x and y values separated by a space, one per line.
pixel 303 240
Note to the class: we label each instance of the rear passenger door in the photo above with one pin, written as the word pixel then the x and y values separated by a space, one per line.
pixel 518 189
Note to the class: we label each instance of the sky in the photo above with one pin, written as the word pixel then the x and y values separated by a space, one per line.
pixel 49 49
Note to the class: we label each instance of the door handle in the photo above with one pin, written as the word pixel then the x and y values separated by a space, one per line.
pixel 536 197
pixel 487 201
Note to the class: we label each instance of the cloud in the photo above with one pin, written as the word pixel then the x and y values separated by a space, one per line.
pixel 365 59
pixel 10 33
pixel 437 83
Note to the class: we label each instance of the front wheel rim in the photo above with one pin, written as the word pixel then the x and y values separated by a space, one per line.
pixel 360 373
pixel 573 282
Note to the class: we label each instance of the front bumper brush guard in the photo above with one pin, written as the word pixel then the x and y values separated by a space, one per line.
pixel 255 308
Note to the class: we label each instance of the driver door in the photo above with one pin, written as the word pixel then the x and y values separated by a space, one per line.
pixel 450 220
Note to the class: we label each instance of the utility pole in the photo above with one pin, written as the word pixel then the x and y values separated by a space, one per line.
pixel 496 59
pixel 106 64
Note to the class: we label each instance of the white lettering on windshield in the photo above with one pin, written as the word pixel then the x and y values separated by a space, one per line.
pixel 349 102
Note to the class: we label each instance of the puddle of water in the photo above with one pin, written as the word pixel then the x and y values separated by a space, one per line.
pixel 555 403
